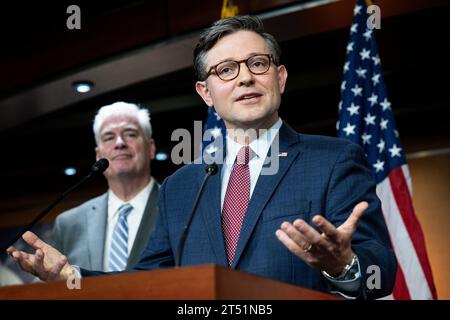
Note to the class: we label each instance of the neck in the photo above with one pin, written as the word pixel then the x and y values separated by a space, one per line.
pixel 246 134
pixel 126 188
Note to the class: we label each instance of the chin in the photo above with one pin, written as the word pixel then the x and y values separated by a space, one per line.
pixel 253 121
pixel 124 169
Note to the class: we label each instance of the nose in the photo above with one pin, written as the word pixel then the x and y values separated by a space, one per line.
pixel 120 143
pixel 245 77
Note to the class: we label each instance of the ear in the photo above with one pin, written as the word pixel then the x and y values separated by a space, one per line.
pixel 282 77
pixel 97 154
pixel 203 91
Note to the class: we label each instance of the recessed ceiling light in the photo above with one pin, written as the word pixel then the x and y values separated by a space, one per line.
pixel 161 156
pixel 83 86
pixel 70 171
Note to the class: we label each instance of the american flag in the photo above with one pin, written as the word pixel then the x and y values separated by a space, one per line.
pixel 215 138
pixel 214 123
pixel 366 118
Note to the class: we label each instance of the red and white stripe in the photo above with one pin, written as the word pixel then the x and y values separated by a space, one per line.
pixel 414 278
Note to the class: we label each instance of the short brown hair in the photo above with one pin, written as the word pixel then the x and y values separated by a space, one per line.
pixel 220 28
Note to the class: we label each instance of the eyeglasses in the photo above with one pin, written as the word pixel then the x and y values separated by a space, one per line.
pixel 229 70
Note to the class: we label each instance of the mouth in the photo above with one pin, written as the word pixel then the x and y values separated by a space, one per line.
pixel 122 157
pixel 249 97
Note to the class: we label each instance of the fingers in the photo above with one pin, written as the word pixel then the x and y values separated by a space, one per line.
pixel 300 238
pixel 289 243
pixel 38 259
pixel 352 221
pixel 326 227
pixel 33 240
pixel 24 260
pixel 10 250
pixel 311 235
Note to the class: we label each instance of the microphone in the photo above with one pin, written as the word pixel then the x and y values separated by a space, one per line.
pixel 97 168
pixel 211 170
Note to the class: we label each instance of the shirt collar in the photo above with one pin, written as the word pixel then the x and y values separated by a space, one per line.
pixel 138 202
pixel 259 146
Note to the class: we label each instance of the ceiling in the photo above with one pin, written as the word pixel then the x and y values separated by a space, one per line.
pixel 141 51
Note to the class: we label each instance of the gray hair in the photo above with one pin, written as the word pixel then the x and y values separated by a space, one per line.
pixel 220 28
pixel 123 109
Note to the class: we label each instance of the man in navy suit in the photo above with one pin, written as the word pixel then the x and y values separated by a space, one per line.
pixel 312 219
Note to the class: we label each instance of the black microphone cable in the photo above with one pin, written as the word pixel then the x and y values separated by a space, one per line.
pixel 211 170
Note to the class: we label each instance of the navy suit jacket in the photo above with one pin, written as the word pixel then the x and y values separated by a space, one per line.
pixel 316 175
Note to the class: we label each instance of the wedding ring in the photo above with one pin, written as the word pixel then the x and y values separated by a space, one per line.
pixel 309 248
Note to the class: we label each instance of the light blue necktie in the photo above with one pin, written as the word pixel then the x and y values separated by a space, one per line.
pixel 118 254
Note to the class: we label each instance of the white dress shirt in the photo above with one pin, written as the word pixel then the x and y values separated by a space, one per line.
pixel 259 147
pixel 134 217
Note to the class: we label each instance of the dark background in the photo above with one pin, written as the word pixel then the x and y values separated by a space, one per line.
pixel 39 141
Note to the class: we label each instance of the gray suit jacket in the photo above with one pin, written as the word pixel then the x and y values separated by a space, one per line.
pixel 80 233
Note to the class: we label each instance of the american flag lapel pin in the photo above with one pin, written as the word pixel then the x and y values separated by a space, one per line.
pixel 283 154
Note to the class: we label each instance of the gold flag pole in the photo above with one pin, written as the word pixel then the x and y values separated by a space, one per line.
pixel 228 9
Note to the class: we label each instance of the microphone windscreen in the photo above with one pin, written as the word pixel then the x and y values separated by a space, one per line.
pixel 212 169
pixel 100 166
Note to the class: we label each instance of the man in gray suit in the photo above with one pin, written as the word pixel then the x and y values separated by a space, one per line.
pixel 87 234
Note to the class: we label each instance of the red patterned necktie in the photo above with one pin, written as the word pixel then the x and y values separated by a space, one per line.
pixel 236 201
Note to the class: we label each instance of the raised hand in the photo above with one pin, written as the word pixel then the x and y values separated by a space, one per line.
pixel 329 251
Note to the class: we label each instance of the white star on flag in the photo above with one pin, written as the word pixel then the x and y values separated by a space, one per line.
pixel 369 119
pixel 349 129
pixel 383 124
pixel 381 146
pixel 350 47
pixel 356 90
pixel 373 99
pixel 216 132
pixel 367 34
pixel 357 10
pixel 385 104
pixel 376 60
pixel 396 133
pixel 346 66
pixel 379 165
pixel 353 109
pixel 361 72
pixel 366 138
pixel 365 54
pixel 395 151
pixel 376 79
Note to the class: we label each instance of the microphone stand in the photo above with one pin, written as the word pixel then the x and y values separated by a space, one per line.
pixel 210 171
pixel 97 168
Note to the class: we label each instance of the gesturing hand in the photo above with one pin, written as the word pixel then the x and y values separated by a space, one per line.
pixel 47 263
pixel 329 251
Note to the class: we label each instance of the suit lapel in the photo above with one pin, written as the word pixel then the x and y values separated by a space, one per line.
pixel 96 225
pixel 286 153
pixel 210 210
pixel 145 227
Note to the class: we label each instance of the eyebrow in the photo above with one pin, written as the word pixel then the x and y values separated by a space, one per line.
pixel 234 59
pixel 128 128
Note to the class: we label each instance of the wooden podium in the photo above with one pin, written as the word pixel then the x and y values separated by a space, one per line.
pixel 206 282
